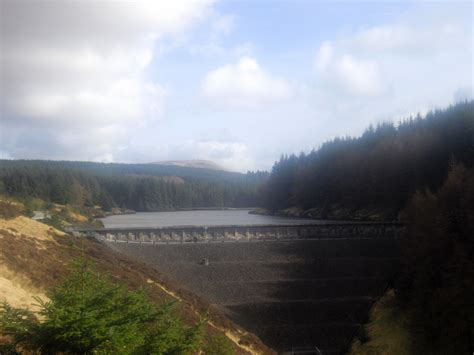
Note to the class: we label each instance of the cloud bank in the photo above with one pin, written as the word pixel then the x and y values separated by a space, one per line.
pixel 74 75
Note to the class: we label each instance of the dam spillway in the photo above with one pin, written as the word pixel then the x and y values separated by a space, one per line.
pixel 311 287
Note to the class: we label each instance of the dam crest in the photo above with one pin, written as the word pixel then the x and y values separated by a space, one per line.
pixel 246 233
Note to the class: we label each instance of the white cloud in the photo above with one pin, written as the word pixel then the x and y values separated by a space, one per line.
pixel 224 24
pixel 231 155
pixel 244 85
pixel 360 77
pixel 324 56
pixel 216 43
pixel 81 66
pixel 215 48
pixel 354 76
pixel 381 60
pixel 408 38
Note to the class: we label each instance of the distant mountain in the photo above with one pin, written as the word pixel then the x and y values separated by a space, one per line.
pixel 202 164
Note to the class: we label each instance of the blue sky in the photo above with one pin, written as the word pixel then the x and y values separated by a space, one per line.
pixel 236 82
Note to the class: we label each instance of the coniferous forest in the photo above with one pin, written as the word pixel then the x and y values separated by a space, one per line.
pixel 140 187
pixel 378 171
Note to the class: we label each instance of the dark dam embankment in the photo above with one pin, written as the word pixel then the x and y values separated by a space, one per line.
pixel 292 294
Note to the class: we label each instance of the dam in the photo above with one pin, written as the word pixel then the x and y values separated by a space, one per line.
pixel 246 233
pixel 299 287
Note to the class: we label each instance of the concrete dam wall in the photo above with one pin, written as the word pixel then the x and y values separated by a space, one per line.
pixel 236 233
pixel 292 292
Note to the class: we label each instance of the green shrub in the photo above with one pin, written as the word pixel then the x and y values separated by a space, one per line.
pixel 88 313
pixel 54 221
pixel 218 345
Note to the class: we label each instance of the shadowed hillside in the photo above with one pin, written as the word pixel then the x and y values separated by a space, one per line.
pixel 373 176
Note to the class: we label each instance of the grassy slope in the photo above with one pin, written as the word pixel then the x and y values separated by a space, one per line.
pixel 386 331
pixel 34 257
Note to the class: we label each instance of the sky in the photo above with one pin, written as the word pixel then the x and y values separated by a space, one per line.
pixel 236 82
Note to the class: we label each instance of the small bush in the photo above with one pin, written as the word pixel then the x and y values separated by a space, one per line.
pixel 218 345
pixel 54 221
pixel 88 313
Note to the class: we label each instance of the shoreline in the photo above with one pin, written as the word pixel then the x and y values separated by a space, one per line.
pixel 127 212
pixel 333 213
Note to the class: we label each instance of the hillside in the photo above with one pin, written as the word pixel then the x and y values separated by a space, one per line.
pixel 140 187
pixel 373 176
pixel 201 164
pixel 35 257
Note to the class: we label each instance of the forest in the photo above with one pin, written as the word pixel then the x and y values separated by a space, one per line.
pixel 377 172
pixel 139 187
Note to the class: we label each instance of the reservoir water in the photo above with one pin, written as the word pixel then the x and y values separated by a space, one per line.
pixel 197 218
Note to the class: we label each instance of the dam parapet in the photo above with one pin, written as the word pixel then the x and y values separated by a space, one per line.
pixel 246 233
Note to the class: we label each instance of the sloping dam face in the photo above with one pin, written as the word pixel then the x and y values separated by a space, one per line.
pixel 292 294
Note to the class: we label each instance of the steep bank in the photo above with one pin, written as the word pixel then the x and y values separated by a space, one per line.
pixel 34 257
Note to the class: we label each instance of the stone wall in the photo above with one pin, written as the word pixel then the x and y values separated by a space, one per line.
pixel 202 234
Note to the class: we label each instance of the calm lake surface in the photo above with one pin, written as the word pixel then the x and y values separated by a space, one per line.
pixel 196 218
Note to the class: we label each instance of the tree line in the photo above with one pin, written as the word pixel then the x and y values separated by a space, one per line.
pixel 129 186
pixel 378 171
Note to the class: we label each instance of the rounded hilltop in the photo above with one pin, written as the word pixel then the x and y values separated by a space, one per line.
pixel 202 164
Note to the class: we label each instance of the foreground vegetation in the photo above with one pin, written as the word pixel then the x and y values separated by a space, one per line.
pixel 387 332
pixel 88 313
